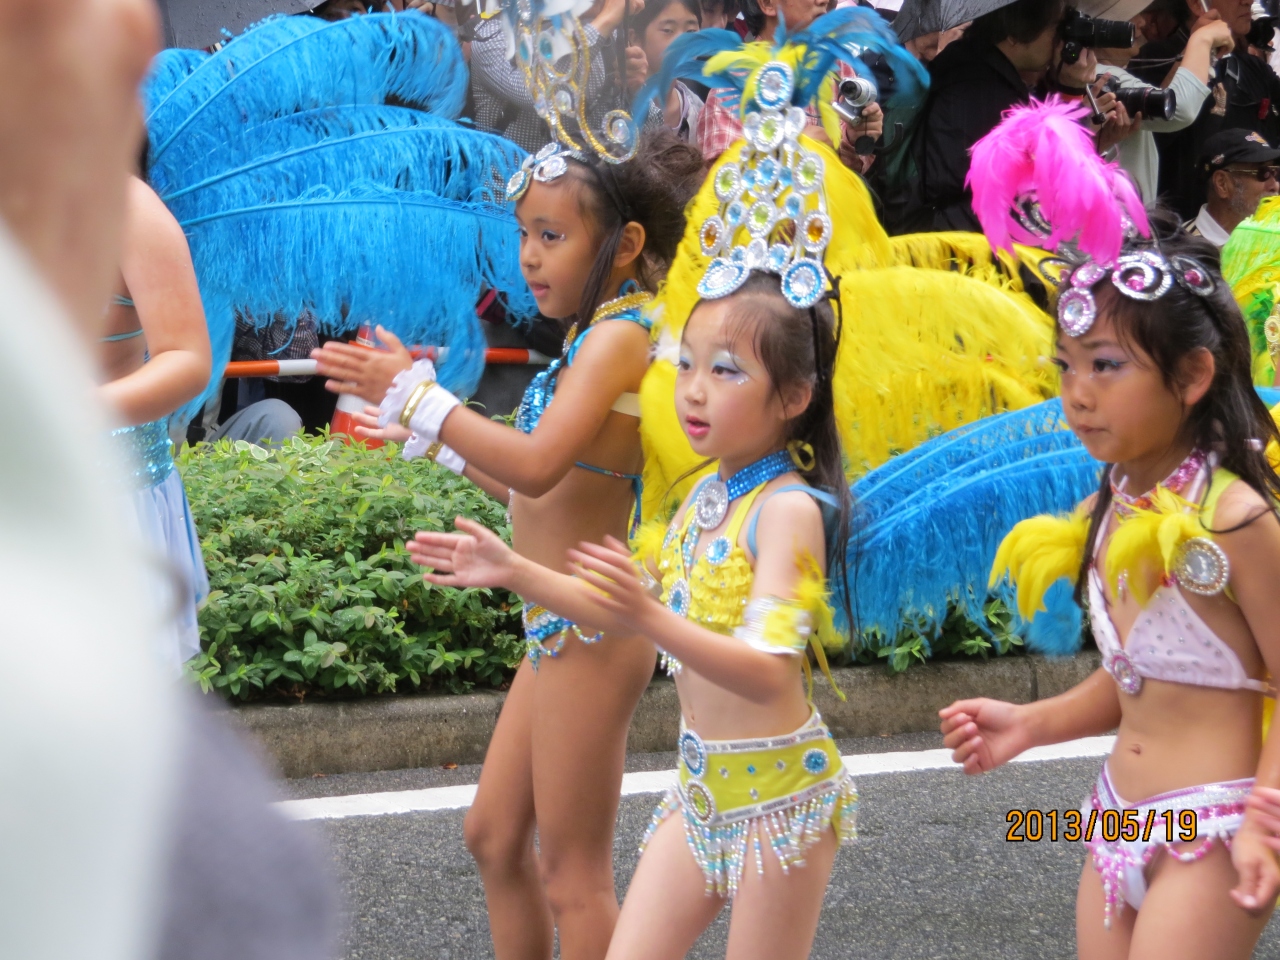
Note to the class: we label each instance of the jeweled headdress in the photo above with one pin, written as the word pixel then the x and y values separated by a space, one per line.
pixel 1037 179
pixel 550 45
pixel 773 211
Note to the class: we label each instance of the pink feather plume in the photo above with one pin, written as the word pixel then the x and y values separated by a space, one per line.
pixel 1042 150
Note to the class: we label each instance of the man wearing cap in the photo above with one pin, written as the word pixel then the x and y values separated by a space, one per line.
pixel 1244 93
pixel 1238 168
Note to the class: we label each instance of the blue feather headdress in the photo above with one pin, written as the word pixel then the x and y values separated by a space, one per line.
pixel 722 60
pixel 305 183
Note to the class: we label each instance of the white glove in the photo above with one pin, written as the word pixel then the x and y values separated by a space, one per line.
pixel 417 402
pixel 446 456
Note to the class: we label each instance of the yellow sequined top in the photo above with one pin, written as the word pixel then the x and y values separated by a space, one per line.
pixel 713 589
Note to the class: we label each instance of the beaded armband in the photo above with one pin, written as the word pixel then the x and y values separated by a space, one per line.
pixel 775 626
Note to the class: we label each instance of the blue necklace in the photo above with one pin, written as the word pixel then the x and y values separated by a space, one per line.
pixel 716 495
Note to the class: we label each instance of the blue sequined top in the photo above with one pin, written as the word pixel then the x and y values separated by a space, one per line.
pixel 147 449
pixel 537 397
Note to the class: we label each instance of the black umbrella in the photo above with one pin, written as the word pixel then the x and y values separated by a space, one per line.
pixel 918 17
pixel 199 23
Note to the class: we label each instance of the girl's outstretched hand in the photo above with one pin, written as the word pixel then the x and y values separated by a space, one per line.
pixel 476 557
pixel 982 734
pixel 362 371
pixel 367 426
pixel 610 570
pixel 1253 855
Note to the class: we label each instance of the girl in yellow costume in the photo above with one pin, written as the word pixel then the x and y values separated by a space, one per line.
pixel 1176 554
pixel 733 592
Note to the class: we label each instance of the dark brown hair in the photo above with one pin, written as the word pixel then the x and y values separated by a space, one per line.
pixel 798 346
pixel 651 189
pixel 1230 420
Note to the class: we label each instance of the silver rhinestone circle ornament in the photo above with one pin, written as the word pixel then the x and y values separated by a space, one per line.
pixel 1202 567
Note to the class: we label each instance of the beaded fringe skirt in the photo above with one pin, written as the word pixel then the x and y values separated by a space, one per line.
pixel 738 796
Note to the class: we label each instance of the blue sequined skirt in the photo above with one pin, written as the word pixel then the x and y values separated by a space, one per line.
pixel 165 526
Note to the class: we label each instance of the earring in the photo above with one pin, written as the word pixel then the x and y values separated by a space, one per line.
pixel 802 455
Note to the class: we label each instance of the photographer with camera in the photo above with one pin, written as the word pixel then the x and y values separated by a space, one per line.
pixel 1244 92
pixel 1167 108
pixel 972 83
pixel 1028 47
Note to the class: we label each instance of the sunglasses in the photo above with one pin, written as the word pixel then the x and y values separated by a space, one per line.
pixel 1261 174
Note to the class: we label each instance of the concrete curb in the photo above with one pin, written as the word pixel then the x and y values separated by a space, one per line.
pixel 398 733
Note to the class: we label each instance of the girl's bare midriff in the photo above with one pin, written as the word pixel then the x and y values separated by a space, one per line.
pixel 584 505
pixel 1175 735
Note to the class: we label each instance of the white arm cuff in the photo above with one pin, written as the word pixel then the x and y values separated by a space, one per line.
pixel 428 407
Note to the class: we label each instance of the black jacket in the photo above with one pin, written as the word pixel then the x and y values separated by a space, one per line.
pixel 971 84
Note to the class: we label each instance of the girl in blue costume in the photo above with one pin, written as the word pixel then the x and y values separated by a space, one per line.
pixel 155 358
pixel 595 238
pixel 1176 554
pixel 732 592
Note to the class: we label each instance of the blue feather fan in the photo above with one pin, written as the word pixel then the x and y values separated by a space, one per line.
pixel 420 154
pixel 928 523
pixel 318 253
pixel 308 176
pixel 292 64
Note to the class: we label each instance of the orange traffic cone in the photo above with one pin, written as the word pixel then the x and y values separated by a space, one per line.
pixel 342 421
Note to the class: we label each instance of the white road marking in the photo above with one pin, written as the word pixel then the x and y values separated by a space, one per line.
pixel 652 782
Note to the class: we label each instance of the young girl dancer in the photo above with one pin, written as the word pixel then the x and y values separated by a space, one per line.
pixel 763 800
pixel 154 358
pixel 1176 554
pixel 594 239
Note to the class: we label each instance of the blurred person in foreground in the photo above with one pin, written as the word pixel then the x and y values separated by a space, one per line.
pixel 1188 80
pixel 119 794
pixel 1238 169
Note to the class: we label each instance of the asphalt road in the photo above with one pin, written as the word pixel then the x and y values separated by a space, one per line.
pixel 931 875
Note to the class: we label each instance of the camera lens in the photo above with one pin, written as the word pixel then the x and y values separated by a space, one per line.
pixel 1112 33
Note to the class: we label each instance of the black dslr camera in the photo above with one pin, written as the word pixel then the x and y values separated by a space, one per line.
pixel 1080 30
pixel 1152 102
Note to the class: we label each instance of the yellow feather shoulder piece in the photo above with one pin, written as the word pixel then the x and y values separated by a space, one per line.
pixel 646 545
pixel 1145 545
pixel 1037 553
pixel 812 595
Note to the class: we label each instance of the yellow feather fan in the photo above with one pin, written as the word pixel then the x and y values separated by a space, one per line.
pixel 1037 553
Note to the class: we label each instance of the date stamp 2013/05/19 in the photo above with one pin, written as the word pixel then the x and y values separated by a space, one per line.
pixel 1111 825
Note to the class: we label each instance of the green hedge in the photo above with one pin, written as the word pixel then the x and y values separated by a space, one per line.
pixel 311 590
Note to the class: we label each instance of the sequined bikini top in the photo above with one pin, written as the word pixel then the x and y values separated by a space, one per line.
pixel 1169 641
pixel 537 396
pixel 717 588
